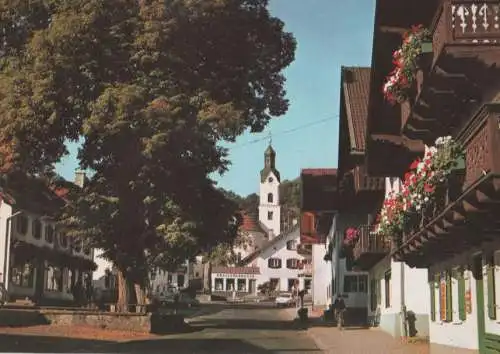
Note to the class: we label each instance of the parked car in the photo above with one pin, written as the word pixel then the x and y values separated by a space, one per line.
pixel 284 300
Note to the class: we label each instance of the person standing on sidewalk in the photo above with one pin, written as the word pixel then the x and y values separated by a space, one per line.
pixel 339 308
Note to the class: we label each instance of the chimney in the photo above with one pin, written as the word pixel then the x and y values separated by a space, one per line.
pixel 79 178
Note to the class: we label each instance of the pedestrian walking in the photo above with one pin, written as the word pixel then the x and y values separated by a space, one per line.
pixel 339 307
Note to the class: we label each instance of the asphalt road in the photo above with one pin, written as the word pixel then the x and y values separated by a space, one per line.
pixel 239 328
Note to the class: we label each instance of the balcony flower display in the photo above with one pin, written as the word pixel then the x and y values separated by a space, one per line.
pixel 419 186
pixel 351 236
pixel 400 80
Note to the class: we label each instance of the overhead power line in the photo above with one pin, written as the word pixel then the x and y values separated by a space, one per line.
pixel 283 132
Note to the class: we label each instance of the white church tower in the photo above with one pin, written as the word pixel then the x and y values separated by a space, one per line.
pixel 269 206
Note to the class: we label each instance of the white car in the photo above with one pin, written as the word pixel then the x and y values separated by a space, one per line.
pixel 285 300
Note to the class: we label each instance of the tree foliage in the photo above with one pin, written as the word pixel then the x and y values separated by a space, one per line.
pixel 152 87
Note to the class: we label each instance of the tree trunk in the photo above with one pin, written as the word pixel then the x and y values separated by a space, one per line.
pixel 122 301
pixel 140 294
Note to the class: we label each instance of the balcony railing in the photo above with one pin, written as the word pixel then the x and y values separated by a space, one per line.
pixel 458 27
pixel 469 201
pixel 370 248
pixel 363 182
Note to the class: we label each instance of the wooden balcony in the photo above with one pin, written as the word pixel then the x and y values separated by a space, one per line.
pixel 458 73
pixel 370 248
pixel 363 183
pixel 466 213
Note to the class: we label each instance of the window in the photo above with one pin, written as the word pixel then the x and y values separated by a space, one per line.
pixel 292 263
pixel 49 233
pixel 180 280
pixel 293 284
pixel 169 278
pixel 242 285
pixel 270 197
pixel 22 275
pixel 350 284
pixel 387 284
pixel 270 179
pixel 307 284
pixel 291 245
pixel 36 229
pixel 22 225
pixel 355 283
pixel 362 283
pixel 230 285
pixel 274 263
pixel 274 284
pixel 54 278
pixel 219 284
pixel 269 215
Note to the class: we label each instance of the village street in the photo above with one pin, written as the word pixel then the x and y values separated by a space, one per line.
pixel 256 328
pixel 240 328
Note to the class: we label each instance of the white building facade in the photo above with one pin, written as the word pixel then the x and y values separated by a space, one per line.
pixel 396 290
pixel 39 261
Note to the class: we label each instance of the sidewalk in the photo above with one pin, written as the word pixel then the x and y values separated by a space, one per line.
pixel 355 340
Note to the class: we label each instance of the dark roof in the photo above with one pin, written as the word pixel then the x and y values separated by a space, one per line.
pixel 236 270
pixel 268 245
pixel 356 88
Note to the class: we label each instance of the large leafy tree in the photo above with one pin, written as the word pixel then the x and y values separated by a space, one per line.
pixel 152 87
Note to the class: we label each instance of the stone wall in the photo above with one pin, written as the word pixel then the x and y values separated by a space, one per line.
pixel 106 320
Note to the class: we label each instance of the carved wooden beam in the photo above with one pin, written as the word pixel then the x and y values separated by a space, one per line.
pixel 395 30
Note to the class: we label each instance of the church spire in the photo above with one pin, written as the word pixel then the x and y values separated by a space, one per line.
pixel 269 162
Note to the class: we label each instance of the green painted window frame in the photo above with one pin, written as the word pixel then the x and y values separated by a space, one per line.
pixel 490 276
pixel 432 288
pixel 462 313
pixel 449 297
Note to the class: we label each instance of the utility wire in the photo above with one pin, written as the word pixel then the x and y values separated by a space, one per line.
pixel 288 131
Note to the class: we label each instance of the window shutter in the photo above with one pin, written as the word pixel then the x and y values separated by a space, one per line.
pixel 442 298
pixel 461 295
pixel 492 313
pixel 449 300
pixel 432 286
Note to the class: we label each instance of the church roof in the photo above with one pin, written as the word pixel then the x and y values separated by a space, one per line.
pixel 250 223
pixel 268 245
pixel 265 172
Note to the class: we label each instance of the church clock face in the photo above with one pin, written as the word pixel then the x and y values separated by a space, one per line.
pixel 270 179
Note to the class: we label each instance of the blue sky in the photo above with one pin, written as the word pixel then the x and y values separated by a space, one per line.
pixel 329 33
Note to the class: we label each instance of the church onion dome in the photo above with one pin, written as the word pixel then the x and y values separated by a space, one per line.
pixel 269 165
pixel 270 151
